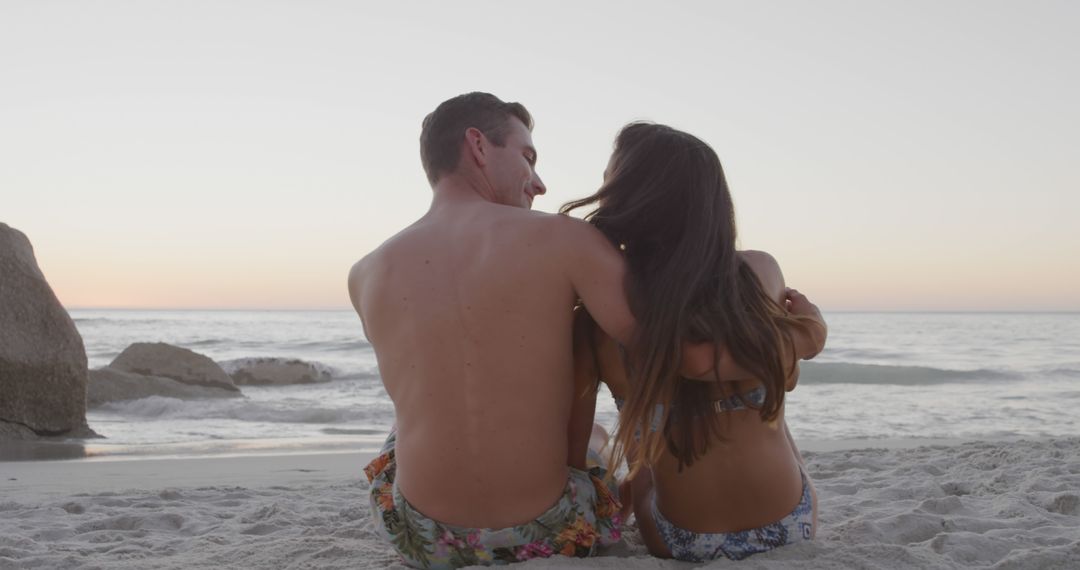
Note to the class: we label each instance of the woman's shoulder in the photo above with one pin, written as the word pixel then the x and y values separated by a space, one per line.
pixel 766 268
pixel 758 259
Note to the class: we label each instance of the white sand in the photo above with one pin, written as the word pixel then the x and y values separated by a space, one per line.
pixel 1002 505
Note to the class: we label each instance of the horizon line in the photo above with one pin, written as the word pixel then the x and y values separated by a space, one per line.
pixel 348 308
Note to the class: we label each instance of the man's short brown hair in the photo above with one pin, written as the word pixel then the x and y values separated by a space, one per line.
pixel 444 129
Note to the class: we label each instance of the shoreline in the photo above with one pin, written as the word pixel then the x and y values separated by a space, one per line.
pixel 53 468
pixel 44 469
pixel 93 450
pixel 40 479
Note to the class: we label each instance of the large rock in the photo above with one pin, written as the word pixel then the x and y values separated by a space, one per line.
pixel 42 359
pixel 174 363
pixel 9 431
pixel 274 371
pixel 109 385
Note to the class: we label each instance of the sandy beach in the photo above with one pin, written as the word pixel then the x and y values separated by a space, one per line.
pixel 241 241
pixel 976 504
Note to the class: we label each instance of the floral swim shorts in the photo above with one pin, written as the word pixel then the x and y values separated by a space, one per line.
pixel 584 517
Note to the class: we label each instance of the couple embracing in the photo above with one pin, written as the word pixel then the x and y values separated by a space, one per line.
pixel 494 325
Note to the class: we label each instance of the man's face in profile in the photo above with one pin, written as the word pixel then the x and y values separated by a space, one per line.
pixel 512 168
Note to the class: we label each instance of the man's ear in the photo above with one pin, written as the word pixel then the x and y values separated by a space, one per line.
pixel 476 146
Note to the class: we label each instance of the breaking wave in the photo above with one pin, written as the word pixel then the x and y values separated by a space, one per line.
pixel 848 373
pixel 158 408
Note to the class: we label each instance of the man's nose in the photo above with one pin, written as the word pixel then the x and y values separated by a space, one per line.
pixel 538 185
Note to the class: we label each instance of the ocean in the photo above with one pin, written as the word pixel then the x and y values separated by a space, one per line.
pixel 907 376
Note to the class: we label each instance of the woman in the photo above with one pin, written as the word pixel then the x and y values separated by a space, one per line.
pixel 716 472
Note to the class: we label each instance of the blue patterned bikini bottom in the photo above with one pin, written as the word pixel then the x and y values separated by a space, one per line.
pixel 692 546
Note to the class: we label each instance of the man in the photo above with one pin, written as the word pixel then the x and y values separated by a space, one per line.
pixel 470 311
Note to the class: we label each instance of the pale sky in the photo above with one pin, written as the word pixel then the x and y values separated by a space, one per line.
pixel 243 154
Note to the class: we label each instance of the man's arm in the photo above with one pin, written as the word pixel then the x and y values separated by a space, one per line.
pixel 583 410
pixel 812 342
pixel 597 273
pixel 355 277
pixel 355 284
pixel 699 362
pixel 698 358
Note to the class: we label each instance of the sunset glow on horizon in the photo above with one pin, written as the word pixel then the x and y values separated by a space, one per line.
pixel 245 154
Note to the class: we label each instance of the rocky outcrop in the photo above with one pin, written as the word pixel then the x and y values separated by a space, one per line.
pixel 10 431
pixel 274 371
pixel 172 362
pixel 110 385
pixel 43 370
pixel 42 358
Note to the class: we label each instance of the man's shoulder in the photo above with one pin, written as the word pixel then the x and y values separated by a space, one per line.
pixel 357 274
pixel 365 263
pixel 358 269
pixel 389 247
pixel 563 227
pixel 367 269
pixel 372 260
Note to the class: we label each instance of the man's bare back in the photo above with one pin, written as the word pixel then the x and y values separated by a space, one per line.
pixel 470 313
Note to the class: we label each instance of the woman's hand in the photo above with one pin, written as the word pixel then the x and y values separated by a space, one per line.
pixel 626 498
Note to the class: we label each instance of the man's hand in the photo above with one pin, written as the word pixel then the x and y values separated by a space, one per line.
pixel 806 346
pixel 797 303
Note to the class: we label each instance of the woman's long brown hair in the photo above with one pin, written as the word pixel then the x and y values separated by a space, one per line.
pixel 666 201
